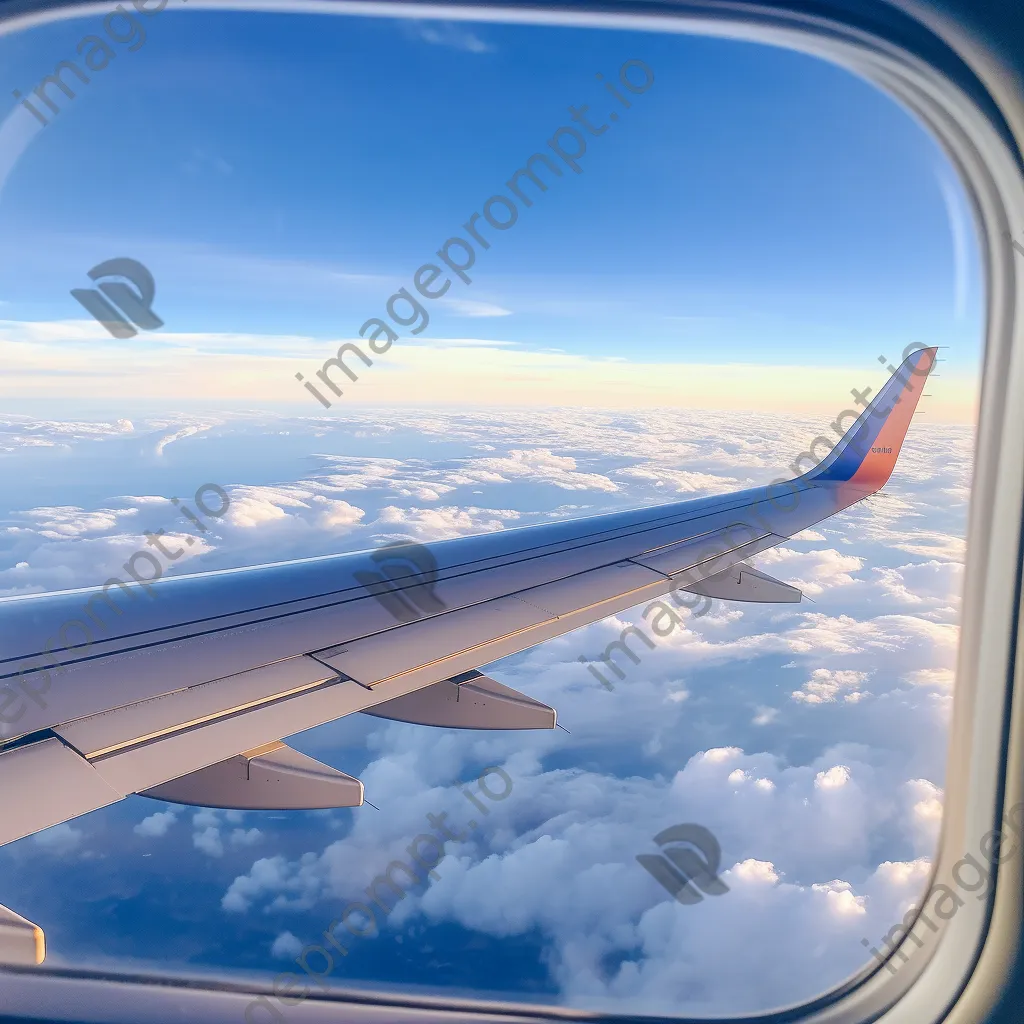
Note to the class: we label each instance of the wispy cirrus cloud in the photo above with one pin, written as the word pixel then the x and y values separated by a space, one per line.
pixel 449 34
pixel 469 307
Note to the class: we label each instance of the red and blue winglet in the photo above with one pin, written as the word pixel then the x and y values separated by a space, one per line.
pixel 867 453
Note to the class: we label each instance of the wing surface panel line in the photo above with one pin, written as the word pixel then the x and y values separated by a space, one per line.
pixel 138 741
pixel 247 618
pixel 702 510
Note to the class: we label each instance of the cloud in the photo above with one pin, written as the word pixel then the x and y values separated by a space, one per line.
pixel 833 778
pixel 168 439
pixel 202 163
pixel 827 686
pixel 813 572
pixel 285 947
pixel 538 465
pixel 256 506
pixel 209 841
pixel 59 840
pixel 821 847
pixel 929 807
pixel 472 308
pixel 17 432
pixel 71 521
pixel 452 35
pixel 942 678
pixel 679 481
pixel 926 586
pixel 558 857
pixel 439 523
pixel 399 479
pixel 246 837
pixel 156 825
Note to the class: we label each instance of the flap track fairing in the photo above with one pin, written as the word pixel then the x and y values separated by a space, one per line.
pixel 470 700
pixel 21 941
pixel 270 778
pixel 742 582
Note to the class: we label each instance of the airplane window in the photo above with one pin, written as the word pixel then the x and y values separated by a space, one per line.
pixel 642 369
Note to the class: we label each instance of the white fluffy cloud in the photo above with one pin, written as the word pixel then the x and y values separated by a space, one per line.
pixel 156 825
pixel 286 946
pixel 59 840
pixel 826 686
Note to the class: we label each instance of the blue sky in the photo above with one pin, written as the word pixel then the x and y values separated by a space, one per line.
pixel 285 175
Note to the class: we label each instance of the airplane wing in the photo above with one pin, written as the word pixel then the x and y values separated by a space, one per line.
pixel 181 689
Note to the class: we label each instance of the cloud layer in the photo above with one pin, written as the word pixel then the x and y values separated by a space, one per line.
pixel 810 739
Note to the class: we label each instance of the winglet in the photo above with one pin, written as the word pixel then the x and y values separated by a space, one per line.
pixel 867 453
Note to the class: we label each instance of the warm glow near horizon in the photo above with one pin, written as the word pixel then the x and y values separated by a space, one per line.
pixel 75 360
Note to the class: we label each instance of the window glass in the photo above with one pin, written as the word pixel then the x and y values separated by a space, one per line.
pixel 571 271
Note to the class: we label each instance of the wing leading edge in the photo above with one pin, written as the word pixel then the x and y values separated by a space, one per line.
pixel 184 693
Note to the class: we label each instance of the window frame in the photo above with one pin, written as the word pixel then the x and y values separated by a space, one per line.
pixel 952 85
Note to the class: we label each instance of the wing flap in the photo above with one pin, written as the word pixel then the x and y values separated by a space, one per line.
pixel 588 589
pixel 155 760
pixel 375 659
pixel 192 706
pixel 710 554
pixel 44 783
